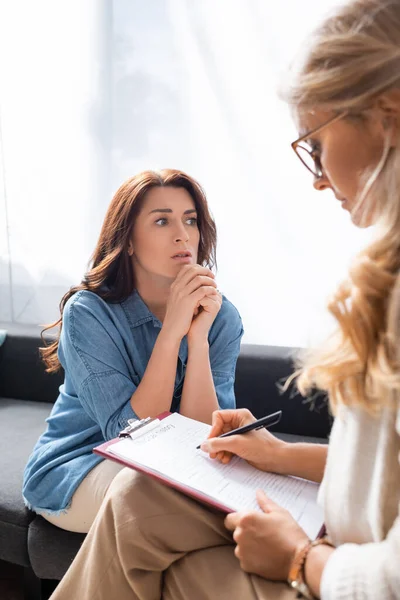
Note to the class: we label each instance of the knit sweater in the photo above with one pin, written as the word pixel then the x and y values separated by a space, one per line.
pixel 361 494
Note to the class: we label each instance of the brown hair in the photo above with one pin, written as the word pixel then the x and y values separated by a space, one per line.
pixel 110 275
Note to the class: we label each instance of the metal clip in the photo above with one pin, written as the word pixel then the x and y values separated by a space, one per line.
pixel 134 425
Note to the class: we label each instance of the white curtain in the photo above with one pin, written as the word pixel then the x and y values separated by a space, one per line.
pixel 55 103
pixel 94 91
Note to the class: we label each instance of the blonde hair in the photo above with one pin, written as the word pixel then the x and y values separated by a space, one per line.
pixel 354 57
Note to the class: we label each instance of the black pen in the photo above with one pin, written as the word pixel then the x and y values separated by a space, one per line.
pixel 267 421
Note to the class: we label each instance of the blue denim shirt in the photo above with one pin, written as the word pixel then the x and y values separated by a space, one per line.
pixel 104 349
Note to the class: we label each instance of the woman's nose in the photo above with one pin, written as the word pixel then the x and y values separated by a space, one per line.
pixel 181 234
pixel 321 183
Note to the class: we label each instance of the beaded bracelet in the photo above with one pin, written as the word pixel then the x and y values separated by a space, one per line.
pixel 296 578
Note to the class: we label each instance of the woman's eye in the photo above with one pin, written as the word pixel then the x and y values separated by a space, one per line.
pixel 315 151
pixel 162 221
pixel 316 155
pixel 192 221
pixel 315 147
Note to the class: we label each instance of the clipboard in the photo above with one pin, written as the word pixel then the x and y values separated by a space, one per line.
pixel 203 493
pixel 104 451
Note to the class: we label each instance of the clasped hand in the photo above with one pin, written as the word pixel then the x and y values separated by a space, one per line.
pixel 193 303
pixel 266 540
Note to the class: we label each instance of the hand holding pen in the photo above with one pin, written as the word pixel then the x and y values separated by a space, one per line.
pixel 254 443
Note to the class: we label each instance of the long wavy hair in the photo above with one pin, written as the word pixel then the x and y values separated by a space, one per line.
pixel 110 274
pixel 353 58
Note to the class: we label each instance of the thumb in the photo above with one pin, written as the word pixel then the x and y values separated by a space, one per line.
pixel 227 444
pixel 264 502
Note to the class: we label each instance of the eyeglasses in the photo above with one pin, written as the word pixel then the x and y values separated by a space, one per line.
pixel 308 155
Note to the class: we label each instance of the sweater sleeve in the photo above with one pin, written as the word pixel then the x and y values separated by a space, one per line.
pixel 365 571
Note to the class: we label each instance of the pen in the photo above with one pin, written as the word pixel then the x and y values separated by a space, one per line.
pixel 267 421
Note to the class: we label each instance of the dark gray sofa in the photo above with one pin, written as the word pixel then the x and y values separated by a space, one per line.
pixel 26 394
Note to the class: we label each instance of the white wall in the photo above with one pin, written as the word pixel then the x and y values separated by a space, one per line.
pixel 94 91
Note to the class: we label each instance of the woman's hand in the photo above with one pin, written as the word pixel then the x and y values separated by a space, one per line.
pixel 259 448
pixel 204 317
pixel 191 287
pixel 266 541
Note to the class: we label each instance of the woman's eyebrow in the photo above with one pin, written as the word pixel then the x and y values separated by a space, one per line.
pixel 169 210
pixel 161 210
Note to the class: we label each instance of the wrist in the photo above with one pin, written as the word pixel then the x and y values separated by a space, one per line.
pixel 279 458
pixel 169 340
pixel 287 457
pixel 198 341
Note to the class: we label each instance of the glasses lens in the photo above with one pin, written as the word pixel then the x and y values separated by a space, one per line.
pixel 306 157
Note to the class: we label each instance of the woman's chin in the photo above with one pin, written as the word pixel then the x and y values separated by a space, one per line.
pixel 361 219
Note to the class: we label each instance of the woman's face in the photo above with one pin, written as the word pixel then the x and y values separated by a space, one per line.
pixel 166 234
pixel 347 149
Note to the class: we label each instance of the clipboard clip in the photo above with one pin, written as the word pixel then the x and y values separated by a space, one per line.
pixel 134 425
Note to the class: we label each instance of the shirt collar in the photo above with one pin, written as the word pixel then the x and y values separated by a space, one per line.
pixel 137 311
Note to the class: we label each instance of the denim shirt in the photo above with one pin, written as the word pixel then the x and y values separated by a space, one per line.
pixel 104 349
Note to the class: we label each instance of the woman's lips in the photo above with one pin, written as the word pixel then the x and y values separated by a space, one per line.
pixel 182 259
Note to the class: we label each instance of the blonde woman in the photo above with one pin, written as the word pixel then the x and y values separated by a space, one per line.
pixel 150 542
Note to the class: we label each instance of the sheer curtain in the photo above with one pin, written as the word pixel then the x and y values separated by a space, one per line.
pixel 55 103
pixel 92 92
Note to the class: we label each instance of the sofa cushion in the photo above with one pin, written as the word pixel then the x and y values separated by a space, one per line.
pixel 21 423
pixel 51 550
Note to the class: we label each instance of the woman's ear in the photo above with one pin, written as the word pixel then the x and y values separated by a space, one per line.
pixel 388 105
pixel 130 249
pixel 389 102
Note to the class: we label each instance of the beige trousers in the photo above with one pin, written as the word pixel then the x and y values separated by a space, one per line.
pixel 150 542
pixel 86 501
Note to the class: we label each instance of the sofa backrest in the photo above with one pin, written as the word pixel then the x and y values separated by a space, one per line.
pixel 259 371
pixel 22 372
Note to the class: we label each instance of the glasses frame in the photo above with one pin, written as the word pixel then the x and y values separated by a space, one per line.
pixel 297 143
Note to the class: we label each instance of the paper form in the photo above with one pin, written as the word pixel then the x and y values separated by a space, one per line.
pixel 170 449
